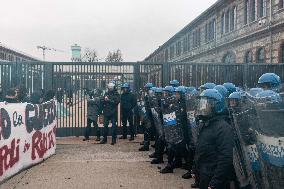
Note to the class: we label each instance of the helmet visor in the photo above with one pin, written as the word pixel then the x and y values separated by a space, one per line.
pixel 204 106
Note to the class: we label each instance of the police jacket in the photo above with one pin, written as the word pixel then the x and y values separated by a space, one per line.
pixel 214 150
pixel 110 106
pixel 128 102
pixel 94 107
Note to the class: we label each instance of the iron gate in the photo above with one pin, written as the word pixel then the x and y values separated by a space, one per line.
pixel 70 81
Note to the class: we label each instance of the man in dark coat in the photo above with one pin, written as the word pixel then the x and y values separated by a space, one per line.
pixel 110 103
pixel 128 103
pixel 93 111
pixel 214 148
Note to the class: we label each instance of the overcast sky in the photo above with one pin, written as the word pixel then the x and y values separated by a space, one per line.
pixel 137 27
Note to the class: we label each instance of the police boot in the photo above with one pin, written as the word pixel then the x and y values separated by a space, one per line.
pixel 86 139
pixel 157 161
pixel 104 141
pixel 123 137
pixel 187 175
pixel 98 139
pixel 153 155
pixel 131 138
pixel 194 185
pixel 142 143
pixel 144 148
pixel 167 169
pixel 113 141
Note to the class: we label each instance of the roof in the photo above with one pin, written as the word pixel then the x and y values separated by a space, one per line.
pixel 18 52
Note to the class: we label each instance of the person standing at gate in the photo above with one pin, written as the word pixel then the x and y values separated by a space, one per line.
pixel 110 103
pixel 93 111
pixel 128 103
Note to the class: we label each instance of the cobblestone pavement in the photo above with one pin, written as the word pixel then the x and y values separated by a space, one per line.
pixel 79 164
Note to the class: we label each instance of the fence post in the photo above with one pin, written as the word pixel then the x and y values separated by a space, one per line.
pixel 245 75
pixel 136 76
pixel 48 76
pixel 166 73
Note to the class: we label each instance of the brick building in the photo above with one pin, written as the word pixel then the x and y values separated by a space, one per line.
pixel 230 31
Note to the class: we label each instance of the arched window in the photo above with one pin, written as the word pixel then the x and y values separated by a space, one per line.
pixel 223 18
pixel 229 58
pixel 227 21
pixel 282 53
pixel 260 55
pixel 248 57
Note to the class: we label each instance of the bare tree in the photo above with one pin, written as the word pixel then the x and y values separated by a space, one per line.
pixel 115 56
pixel 90 55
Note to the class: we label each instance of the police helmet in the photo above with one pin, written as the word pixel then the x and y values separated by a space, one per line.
pixel 169 89
pixel 208 86
pixel 159 90
pixel 191 90
pixel 180 89
pixel 211 102
pixel 174 83
pixel 234 99
pixel 269 80
pixel 149 85
pixel 254 91
pixel 230 87
pixel 125 85
pixel 268 96
pixel 222 90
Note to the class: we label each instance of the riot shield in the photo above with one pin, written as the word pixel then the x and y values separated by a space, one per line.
pixel 173 130
pixel 191 102
pixel 246 159
pixel 143 114
pixel 270 141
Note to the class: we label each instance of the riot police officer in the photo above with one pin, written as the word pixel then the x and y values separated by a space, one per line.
pixel 270 81
pixel 156 103
pixel 128 103
pixel 174 115
pixel 110 103
pixel 206 86
pixel 149 122
pixel 214 148
pixel 93 110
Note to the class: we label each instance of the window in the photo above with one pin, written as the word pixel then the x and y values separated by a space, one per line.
pixel 262 8
pixel 233 21
pixel 178 48
pixel 248 57
pixel 260 55
pixel 223 23
pixel 253 11
pixel 282 53
pixel 281 4
pixel 227 21
pixel 188 42
pixel 246 12
pixel 210 30
pixel 184 44
pixel 172 52
pixel 167 55
pixel 196 38
pixel 229 58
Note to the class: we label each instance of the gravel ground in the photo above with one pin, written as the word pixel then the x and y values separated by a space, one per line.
pixel 79 164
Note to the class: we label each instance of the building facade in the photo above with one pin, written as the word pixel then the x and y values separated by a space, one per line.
pixel 230 31
pixel 8 54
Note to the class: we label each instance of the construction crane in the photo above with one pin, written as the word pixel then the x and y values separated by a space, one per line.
pixel 44 48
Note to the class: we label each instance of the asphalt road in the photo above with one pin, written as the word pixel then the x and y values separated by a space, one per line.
pixel 85 165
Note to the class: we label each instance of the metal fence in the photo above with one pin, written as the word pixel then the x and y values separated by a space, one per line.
pixel 70 81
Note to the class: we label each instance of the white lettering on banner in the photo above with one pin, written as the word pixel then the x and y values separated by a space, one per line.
pixel 27 136
pixel 271 148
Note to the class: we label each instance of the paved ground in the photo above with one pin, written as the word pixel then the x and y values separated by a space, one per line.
pixel 85 165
